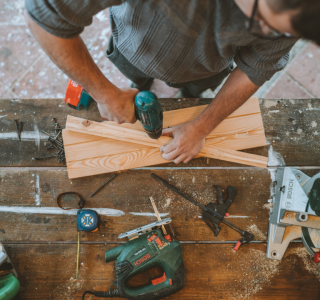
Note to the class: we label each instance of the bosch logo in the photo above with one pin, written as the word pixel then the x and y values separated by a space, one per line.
pixel 141 260
pixel 290 189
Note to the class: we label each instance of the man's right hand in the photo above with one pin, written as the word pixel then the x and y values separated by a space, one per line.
pixel 73 58
pixel 119 107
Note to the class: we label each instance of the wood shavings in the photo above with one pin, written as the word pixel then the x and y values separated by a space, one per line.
pixel 257 272
pixel 309 264
pixel 258 234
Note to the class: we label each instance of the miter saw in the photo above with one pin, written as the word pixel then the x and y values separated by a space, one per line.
pixel 9 284
pixel 295 213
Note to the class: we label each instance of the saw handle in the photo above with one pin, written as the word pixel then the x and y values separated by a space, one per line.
pixel 169 283
pixel 113 253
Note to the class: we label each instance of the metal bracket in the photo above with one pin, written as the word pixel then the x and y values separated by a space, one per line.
pixel 144 229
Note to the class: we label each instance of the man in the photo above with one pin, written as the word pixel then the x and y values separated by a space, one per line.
pixel 188 44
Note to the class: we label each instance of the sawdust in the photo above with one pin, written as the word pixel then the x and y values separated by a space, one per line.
pixel 267 206
pixel 168 202
pixel 256 272
pixel 269 103
pixel 309 264
pixel 258 234
pixel 71 288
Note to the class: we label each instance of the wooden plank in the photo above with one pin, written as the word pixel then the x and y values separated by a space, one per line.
pixel 241 130
pixel 108 130
pixel 212 272
pixel 172 118
pixel 131 135
pixel 105 146
pixel 146 157
pixel 129 193
pixel 245 119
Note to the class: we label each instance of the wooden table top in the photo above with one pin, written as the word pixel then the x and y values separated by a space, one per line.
pixel 42 244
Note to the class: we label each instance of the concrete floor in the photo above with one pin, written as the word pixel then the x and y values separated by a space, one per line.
pixel 26 72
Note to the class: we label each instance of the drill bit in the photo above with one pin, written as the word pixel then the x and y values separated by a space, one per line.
pixel 158 215
pixel 113 176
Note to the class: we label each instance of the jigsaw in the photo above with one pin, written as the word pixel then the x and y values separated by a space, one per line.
pixel 9 284
pixel 295 213
pixel 147 248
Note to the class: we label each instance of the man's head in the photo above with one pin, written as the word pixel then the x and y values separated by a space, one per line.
pixel 294 17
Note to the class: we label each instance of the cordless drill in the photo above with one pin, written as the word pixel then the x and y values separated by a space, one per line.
pixel 147 248
pixel 148 109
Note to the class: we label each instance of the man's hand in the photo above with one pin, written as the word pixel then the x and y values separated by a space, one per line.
pixel 189 138
pixel 187 143
pixel 73 58
pixel 121 107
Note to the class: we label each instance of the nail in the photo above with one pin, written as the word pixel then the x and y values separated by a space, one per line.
pixel 20 129
pixel 17 128
pixel 43 157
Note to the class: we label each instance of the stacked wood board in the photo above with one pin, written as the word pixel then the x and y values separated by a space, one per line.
pixel 94 148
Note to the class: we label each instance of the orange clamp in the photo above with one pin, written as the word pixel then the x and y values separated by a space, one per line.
pixel 236 247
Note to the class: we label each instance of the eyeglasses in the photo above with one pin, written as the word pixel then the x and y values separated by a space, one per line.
pixel 254 28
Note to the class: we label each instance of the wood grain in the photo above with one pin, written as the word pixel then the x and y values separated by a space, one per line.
pixel 129 193
pixel 250 109
pixel 131 135
pixel 212 272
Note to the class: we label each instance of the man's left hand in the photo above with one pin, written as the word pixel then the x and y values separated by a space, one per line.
pixel 187 143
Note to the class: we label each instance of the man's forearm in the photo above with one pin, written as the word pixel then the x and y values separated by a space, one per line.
pixel 74 59
pixel 235 91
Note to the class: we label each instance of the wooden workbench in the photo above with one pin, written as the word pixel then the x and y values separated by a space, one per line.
pixel 43 246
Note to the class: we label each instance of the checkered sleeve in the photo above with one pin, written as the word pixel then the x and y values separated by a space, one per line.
pixel 66 18
pixel 260 62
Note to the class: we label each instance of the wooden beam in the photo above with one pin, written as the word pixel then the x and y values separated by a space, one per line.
pixel 136 136
pixel 180 116
pixel 95 146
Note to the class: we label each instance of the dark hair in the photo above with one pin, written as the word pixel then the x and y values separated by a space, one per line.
pixel 307 21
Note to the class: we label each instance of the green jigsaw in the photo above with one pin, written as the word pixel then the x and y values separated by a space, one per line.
pixel 147 248
pixel 9 284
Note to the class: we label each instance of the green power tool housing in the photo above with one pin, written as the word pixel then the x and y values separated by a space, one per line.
pixel 149 111
pixel 145 251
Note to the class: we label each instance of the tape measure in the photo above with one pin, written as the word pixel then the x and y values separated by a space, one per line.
pixel 87 220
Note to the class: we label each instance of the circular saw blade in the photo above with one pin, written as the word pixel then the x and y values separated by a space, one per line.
pixel 310 236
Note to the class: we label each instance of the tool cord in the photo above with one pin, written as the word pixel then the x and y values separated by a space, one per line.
pixel 80 203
